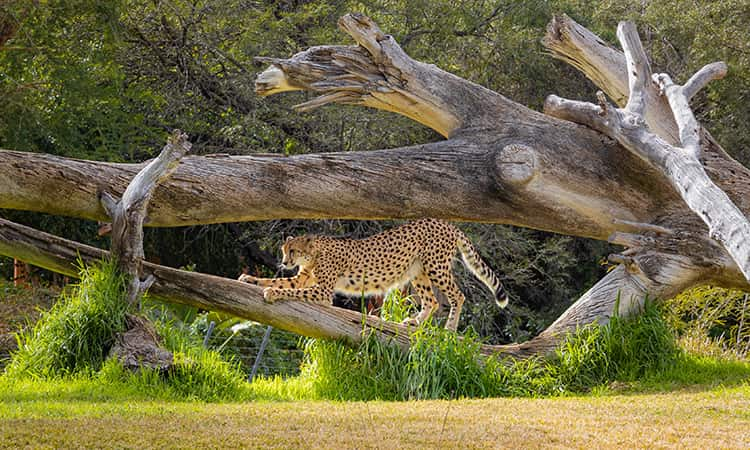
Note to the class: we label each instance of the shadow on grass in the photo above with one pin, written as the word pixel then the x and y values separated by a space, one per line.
pixel 692 373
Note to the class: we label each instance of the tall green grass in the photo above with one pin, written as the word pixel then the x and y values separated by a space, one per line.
pixel 73 339
pixel 439 364
pixel 626 349
pixel 76 334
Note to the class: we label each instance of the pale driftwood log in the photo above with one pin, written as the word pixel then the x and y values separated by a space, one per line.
pixel 502 163
pixel 680 165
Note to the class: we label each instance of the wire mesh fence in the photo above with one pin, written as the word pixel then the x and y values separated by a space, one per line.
pixel 260 350
pixel 4 360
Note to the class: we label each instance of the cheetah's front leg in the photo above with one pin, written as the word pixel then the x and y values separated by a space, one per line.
pixel 316 294
pixel 302 279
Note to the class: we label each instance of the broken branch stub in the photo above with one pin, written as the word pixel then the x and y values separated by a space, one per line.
pixel 378 73
pixel 374 74
pixel 129 213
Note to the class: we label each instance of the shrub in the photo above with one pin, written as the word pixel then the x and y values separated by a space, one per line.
pixel 712 320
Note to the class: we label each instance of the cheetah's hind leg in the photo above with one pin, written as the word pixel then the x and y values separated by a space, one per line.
pixel 423 286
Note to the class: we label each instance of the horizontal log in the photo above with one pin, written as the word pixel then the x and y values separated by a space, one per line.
pixel 224 295
pixel 533 177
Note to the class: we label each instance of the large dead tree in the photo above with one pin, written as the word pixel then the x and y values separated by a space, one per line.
pixel 642 174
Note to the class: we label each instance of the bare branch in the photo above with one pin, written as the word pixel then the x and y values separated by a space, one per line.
pixel 686 123
pixel 378 73
pixel 584 113
pixel 708 73
pixel 129 213
pixel 637 67
pixel 141 187
pixel 606 67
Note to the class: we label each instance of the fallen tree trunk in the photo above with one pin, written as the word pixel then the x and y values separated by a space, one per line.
pixel 218 294
pixel 501 163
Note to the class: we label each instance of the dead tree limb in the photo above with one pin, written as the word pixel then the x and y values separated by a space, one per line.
pixel 680 165
pixel 129 213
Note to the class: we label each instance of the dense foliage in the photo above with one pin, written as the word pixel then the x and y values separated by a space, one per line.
pixel 108 80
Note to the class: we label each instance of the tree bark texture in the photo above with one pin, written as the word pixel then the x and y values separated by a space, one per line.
pixel 678 164
pixel 129 212
pixel 501 163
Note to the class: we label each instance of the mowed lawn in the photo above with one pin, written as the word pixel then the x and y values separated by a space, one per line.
pixel 719 418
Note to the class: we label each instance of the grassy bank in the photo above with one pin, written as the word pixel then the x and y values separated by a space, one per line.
pixel 629 384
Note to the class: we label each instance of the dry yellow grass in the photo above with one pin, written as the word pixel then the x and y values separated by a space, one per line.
pixel 715 419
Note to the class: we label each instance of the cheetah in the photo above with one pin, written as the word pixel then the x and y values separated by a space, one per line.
pixel 419 252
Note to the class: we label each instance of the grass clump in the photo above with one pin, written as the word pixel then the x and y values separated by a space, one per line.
pixel 439 364
pixel 197 373
pixel 76 334
pixel 72 340
pixel 626 349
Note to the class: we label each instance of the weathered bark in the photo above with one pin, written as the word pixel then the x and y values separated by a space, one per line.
pixel 139 346
pixel 129 212
pixel 502 163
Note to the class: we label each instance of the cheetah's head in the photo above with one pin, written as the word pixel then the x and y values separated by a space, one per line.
pixel 297 251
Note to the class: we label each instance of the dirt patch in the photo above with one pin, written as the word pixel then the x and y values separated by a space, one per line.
pixel 20 308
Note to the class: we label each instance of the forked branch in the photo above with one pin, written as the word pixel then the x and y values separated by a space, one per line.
pixel 679 164
pixel 129 213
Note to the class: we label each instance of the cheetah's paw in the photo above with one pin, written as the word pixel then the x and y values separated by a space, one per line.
pixel 245 278
pixel 270 295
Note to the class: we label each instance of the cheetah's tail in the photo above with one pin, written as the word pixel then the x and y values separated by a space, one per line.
pixel 481 270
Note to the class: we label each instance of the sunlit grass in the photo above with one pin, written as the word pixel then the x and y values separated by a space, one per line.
pixel 86 413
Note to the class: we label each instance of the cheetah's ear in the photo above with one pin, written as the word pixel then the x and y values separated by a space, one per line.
pixel 289 238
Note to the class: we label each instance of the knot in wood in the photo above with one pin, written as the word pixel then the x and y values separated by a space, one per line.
pixel 516 163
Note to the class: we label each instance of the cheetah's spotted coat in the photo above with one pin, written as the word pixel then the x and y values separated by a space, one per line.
pixel 420 253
